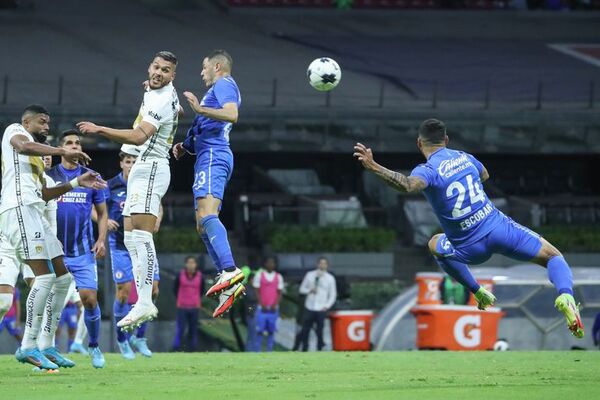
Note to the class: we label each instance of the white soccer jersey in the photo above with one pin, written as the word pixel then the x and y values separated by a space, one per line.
pixel 51 206
pixel 160 107
pixel 22 175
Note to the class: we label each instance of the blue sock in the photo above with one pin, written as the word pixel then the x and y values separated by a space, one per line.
pixel 217 235
pixel 460 272
pixel 92 323
pixel 211 250
pixel 141 332
pixel 560 275
pixel 120 310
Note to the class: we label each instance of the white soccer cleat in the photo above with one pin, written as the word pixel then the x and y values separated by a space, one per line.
pixel 137 316
pixel 225 281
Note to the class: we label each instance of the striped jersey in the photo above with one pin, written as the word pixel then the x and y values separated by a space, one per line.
pixel 22 175
pixel 74 215
pixel 160 107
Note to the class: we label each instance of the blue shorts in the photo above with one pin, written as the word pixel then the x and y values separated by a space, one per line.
pixel 508 238
pixel 84 271
pixel 266 321
pixel 69 316
pixel 10 323
pixel 212 171
pixel 122 269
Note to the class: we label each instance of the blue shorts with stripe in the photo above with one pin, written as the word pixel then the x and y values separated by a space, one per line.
pixel 84 271
pixel 508 238
pixel 212 171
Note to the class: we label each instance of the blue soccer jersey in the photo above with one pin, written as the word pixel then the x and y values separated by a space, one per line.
pixel 206 132
pixel 455 193
pixel 115 194
pixel 74 214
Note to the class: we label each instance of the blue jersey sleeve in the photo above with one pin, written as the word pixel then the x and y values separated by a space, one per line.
pixel 226 92
pixel 99 196
pixel 476 163
pixel 425 173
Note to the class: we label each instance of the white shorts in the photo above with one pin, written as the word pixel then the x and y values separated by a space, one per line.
pixel 10 266
pixel 29 234
pixel 147 184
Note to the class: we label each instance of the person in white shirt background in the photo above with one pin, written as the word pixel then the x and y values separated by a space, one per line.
pixel 320 290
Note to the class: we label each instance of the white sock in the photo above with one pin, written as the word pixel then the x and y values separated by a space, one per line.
pixel 147 262
pixel 81 332
pixel 6 300
pixel 36 302
pixel 54 306
pixel 129 241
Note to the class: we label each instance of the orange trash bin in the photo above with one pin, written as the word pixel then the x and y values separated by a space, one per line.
pixel 449 327
pixel 429 287
pixel 351 330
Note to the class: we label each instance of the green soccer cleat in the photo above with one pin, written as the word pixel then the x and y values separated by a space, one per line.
pixel 484 298
pixel 565 303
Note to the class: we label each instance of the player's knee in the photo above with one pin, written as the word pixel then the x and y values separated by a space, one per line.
pixel 433 243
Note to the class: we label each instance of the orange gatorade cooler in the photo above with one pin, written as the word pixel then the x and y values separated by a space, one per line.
pixel 487 283
pixel 351 330
pixel 449 327
pixel 429 287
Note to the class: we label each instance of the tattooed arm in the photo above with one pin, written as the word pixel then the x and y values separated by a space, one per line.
pixel 396 180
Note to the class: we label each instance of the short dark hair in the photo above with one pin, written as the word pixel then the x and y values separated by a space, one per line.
pixel 432 131
pixel 35 109
pixel 123 155
pixel 69 132
pixel 188 257
pixel 269 257
pixel 222 54
pixel 167 56
pixel 322 258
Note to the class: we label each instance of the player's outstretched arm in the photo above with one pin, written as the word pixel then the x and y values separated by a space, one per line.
pixel 89 179
pixel 137 136
pixel 102 220
pixel 398 181
pixel 229 112
pixel 24 146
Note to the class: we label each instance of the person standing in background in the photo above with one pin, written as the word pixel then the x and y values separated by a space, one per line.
pixel 188 290
pixel 269 285
pixel 320 290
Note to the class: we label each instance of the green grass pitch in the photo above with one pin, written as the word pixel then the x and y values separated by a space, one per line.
pixel 389 375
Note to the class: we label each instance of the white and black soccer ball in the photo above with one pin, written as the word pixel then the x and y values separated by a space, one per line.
pixel 324 74
pixel 501 345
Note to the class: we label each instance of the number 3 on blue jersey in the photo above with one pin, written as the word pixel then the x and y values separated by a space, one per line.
pixel 475 194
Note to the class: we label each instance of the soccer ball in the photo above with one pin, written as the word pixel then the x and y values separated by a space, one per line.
pixel 324 74
pixel 501 345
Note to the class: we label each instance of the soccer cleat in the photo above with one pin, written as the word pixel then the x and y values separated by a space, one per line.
pixel 77 348
pixel 35 358
pixel 137 316
pixel 225 280
pixel 126 350
pixel 53 355
pixel 484 298
pixel 97 357
pixel 227 298
pixel 565 303
pixel 140 345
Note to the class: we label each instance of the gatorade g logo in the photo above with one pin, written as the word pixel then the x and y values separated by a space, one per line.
pixel 467 331
pixel 433 290
pixel 357 331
